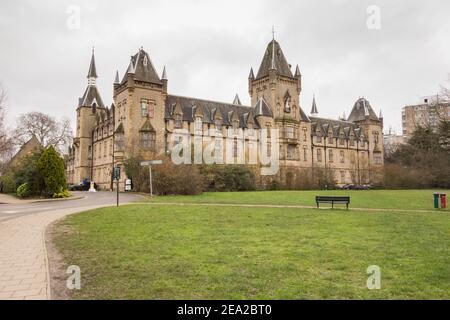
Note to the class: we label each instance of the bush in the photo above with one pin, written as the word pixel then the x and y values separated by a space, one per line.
pixel 28 172
pixel 23 190
pixel 168 178
pixel 183 179
pixel 51 167
pixel 8 183
pixel 228 178
pixel 61 193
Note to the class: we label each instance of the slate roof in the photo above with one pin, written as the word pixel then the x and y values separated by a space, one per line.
pixel 362 110
pixel 274 59
pixel 336 127
pixel 211 110
pixel 314 107
pixel 92 73
pixel 91 96
pixel 142 68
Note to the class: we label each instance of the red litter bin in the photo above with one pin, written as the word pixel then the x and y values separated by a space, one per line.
pixel 443 201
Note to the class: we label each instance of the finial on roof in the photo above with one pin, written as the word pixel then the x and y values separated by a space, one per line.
pixel 314 106
pixel 116 80
pixel 164 75
pixel 236 100
pixel 381 115
pixel 273 32
pixel 251 76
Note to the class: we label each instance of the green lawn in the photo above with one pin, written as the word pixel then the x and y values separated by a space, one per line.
pixel 387 199
pixel 196 252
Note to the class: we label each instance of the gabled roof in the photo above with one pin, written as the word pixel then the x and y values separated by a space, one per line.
pixel 142 68
pixel 274 60
pixel 120 128
pixel 147 127
pixel 262 109
pixel 362 110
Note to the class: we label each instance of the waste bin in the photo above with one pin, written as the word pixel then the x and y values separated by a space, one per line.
pixel 436 200
pixel 443 201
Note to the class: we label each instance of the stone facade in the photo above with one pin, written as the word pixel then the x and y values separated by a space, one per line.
pixel 144 120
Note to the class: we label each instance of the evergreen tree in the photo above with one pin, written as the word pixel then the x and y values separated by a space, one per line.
pixel 51 167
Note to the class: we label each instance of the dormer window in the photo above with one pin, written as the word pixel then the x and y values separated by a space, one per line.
pixel 198 123
pixel 178 121
pixel 341 139
pixel 145 61
pixel 218 124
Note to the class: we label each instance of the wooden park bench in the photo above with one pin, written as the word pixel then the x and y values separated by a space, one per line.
pixel 332 200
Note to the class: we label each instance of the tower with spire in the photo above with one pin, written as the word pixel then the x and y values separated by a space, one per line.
pixel 88 106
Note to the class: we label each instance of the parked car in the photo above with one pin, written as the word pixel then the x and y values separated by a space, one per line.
pixel 351 186
pixel 82 186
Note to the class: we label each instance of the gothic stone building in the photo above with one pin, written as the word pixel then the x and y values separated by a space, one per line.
pixel 144 116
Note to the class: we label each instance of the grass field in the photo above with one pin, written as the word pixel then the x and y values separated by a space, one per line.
pixel 375 199
pixel 150 251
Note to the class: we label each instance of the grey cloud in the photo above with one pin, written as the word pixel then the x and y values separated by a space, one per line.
pixel 209 47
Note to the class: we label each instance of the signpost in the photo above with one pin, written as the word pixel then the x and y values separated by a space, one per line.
pixel 149 163
pixel 116 177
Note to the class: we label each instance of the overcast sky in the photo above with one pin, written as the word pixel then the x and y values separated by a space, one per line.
pixel 209 46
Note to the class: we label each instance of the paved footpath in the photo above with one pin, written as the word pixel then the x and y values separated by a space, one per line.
pixel 23 256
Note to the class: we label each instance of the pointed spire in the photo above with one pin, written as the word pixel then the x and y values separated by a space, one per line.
pixel 236 100
pixel 116 80
pixel 164 75
pixel 381 115
pixel 344 117
pixel 314 106
pixel 92 73
pixel 251 76
pixel 274 59
pixel 297 72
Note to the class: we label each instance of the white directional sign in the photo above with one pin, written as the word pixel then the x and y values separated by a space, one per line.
pixel 150 162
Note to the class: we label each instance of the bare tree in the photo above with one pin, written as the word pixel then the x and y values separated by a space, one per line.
pixel 445 91
pixel 6 143
pixel 48 130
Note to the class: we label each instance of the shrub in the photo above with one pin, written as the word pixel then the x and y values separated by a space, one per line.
pixel 168 178
pixel 137 173
pixel 8 183
pixel 228 178
pixel 29 172
pixel 61 193
pixel 23 190
pixel 183 179
pixel 51 167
